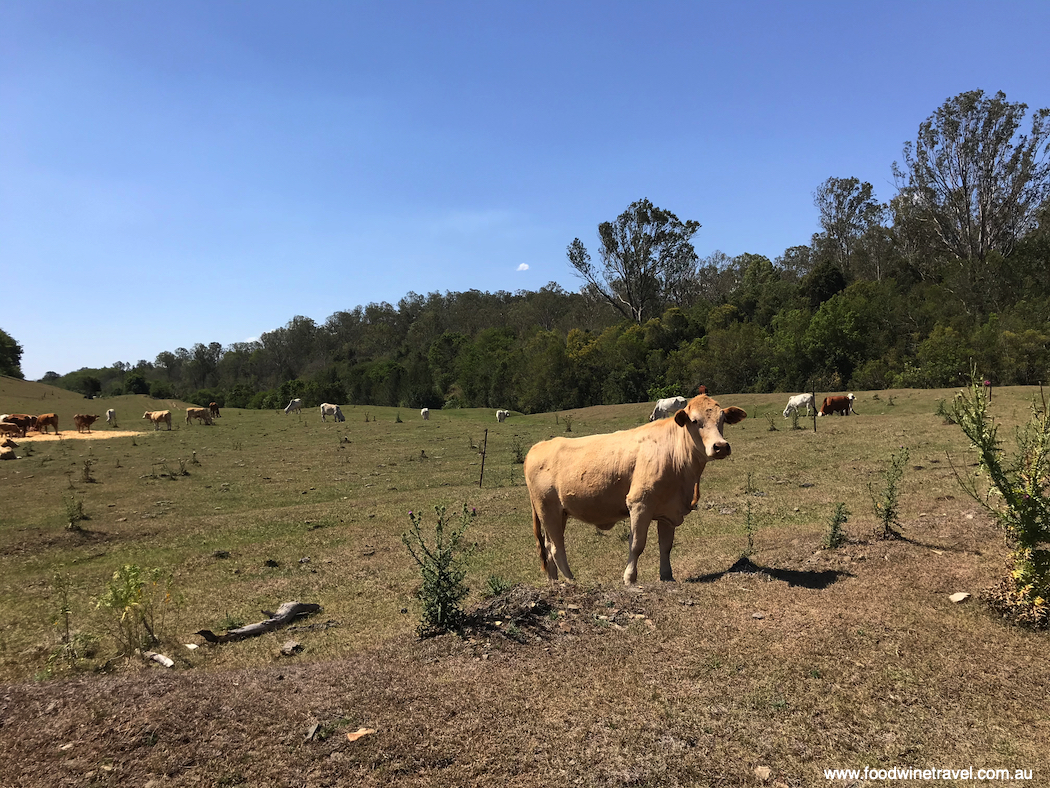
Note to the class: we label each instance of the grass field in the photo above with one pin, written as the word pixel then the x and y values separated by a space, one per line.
pixel 801 660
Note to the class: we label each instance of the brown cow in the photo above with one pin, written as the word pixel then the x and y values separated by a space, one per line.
pixel 24 421
pixel 158 417
pixel 646 473
pixel 200 414
pixel 214 408
pixel 83 422
pixel 46 420
pixel 842 405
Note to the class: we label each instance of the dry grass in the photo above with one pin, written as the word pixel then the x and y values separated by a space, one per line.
pixel 801 660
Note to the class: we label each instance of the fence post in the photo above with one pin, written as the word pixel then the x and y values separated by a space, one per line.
pixel 484 449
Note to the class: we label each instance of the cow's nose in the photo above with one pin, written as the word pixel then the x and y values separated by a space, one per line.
pixel 720 450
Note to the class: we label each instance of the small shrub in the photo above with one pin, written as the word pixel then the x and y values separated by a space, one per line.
pixel 397 419
pixel 1016 491
pixel 497 586
pixel 886 501
pixel 794 420
pixel 568 423
pixel 835 537
pixel 137 602
pixel 74 647
pixel 85 472
pixel 442 569
pixel 75 513
pixel 519 451
pixel 771 418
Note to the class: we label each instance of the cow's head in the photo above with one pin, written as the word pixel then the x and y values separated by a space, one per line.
pixel 705 417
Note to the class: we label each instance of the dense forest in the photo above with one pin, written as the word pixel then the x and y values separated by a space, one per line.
pixel 953 270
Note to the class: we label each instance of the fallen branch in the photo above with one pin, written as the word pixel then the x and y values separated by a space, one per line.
pixel 286 613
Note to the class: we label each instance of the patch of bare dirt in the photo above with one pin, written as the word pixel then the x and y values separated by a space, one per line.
pixel 40 437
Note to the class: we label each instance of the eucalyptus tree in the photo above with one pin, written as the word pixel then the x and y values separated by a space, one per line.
pixel 848 212
pixel 972 179
pixel 646 256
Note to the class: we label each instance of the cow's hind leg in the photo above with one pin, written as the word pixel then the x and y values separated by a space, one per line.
pixel 553 520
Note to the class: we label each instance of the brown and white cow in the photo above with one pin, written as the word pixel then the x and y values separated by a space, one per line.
pixel 214 408
pixel 158 417
pixel 45 420
pixel 83 421
pixel 646 473
pixel 200 414
pixel 842 405
pixel 23 421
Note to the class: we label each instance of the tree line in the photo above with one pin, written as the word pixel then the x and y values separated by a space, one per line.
pixel 953 270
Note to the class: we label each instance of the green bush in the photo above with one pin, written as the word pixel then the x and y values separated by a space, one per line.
pixel 442 568
pixel 1016 490
pixel 834 537
pixel 886 501
pixel 137 602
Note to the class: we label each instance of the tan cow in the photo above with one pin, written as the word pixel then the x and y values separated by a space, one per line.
pixel 83 422
pixel 158 417
pixel 10 428
pixel 214 408
pixel 46 420
pixel 200 414
pixel 647 473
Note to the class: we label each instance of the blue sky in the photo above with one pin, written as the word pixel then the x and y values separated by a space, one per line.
pixel 182 172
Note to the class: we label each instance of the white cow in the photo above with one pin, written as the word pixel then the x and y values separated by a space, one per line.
pixel 111 416
pixel 796 402
pixel 501 415
pixel 667 407
pixel 296 405
pixel 331 410
pixel 425 413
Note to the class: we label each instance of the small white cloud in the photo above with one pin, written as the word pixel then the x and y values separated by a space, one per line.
pixel 523 267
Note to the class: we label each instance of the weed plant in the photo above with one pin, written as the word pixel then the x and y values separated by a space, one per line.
pixel 75 513
pixel 1016 491
pixel 886 501
pixel 443 569
pixel 835 537
pixel 136 604
pixel 749 522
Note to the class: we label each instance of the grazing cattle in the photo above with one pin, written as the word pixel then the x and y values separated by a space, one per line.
pixel 214 408
pixel 796 402
pixel 648 473
pixel 501 415
pixel 83 422
pixel 46 420
pixel 158 417
pixel 296 405
pixel 111 417
pixel 10 428
pixel 667 407
pixel 23 421
pixel 200 414
pixel 331 410
pixel 843 405
pixel 425 413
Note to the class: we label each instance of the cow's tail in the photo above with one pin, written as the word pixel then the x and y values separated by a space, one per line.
pixel 541 539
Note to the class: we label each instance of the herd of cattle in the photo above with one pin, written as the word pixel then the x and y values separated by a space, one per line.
pixel 645 474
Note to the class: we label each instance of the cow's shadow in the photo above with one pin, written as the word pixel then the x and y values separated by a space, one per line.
pixel 793 577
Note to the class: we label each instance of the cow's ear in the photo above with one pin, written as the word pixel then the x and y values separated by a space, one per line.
pixel 681 418
pixel 734 414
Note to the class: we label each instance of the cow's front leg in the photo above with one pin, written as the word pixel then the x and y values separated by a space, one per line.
pixel 639 534
pixel 666 533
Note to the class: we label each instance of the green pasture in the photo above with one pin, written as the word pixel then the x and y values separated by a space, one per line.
pixel 264 508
